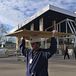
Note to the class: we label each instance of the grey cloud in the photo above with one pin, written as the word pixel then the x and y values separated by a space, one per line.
pixel 26 8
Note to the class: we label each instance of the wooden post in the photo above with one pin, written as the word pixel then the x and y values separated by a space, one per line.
pixel 17 42
pixel 41 29
pixel 41 24
pixel 54 24
pixel 32 27
pixel 19 53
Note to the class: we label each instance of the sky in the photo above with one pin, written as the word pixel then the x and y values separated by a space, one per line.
pixel 14 12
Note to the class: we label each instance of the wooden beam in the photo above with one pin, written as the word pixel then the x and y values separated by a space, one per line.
pixel 42 34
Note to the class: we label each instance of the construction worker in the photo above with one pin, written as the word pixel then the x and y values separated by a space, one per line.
pixel 37 58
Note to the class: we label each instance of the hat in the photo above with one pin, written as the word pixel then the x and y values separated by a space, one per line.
pixel 35 40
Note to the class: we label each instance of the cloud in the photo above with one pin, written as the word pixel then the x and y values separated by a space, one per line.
pixel 68 4
pixel 5 20
pixel 11 14
pixel 15 12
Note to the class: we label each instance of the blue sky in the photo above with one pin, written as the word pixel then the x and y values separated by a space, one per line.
pixel 14 12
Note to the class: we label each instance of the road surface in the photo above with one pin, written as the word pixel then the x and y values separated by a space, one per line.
pixel 57 67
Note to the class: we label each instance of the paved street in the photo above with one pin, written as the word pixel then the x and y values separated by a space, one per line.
pixel 57 67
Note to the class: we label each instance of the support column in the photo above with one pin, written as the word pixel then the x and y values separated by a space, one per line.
pixel 17 43
pixel 19 53
pixel 54 24
pixel 59 28
pixel 66 26
pixel 41 29
pixel 41 24
pixel 56 28
pixel 32 27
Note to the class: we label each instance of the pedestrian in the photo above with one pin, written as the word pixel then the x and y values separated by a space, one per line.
pixel 66 53
pixel 75 51
pixel 37 58
pixel 22 45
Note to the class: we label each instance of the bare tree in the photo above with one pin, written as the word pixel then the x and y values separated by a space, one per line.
pixel 3 30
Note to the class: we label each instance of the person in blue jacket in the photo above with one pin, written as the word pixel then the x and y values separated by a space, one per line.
pixel 37 58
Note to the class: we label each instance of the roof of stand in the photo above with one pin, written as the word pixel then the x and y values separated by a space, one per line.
pixel 56 12
pixel 47 8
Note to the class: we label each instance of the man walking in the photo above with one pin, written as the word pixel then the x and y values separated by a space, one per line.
pixel 75 51
pixel 66 53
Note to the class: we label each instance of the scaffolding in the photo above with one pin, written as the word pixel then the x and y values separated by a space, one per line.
pixel 67 26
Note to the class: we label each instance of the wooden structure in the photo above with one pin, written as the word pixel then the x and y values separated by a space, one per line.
pixel 48 19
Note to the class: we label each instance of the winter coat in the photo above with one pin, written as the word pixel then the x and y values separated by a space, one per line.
pixel 37 62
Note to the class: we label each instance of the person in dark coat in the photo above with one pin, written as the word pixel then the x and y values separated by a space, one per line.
pixel 75 51
pixel 37 58
pixel 66 53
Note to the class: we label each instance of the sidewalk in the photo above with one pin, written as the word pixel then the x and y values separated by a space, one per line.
pixel 57 67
